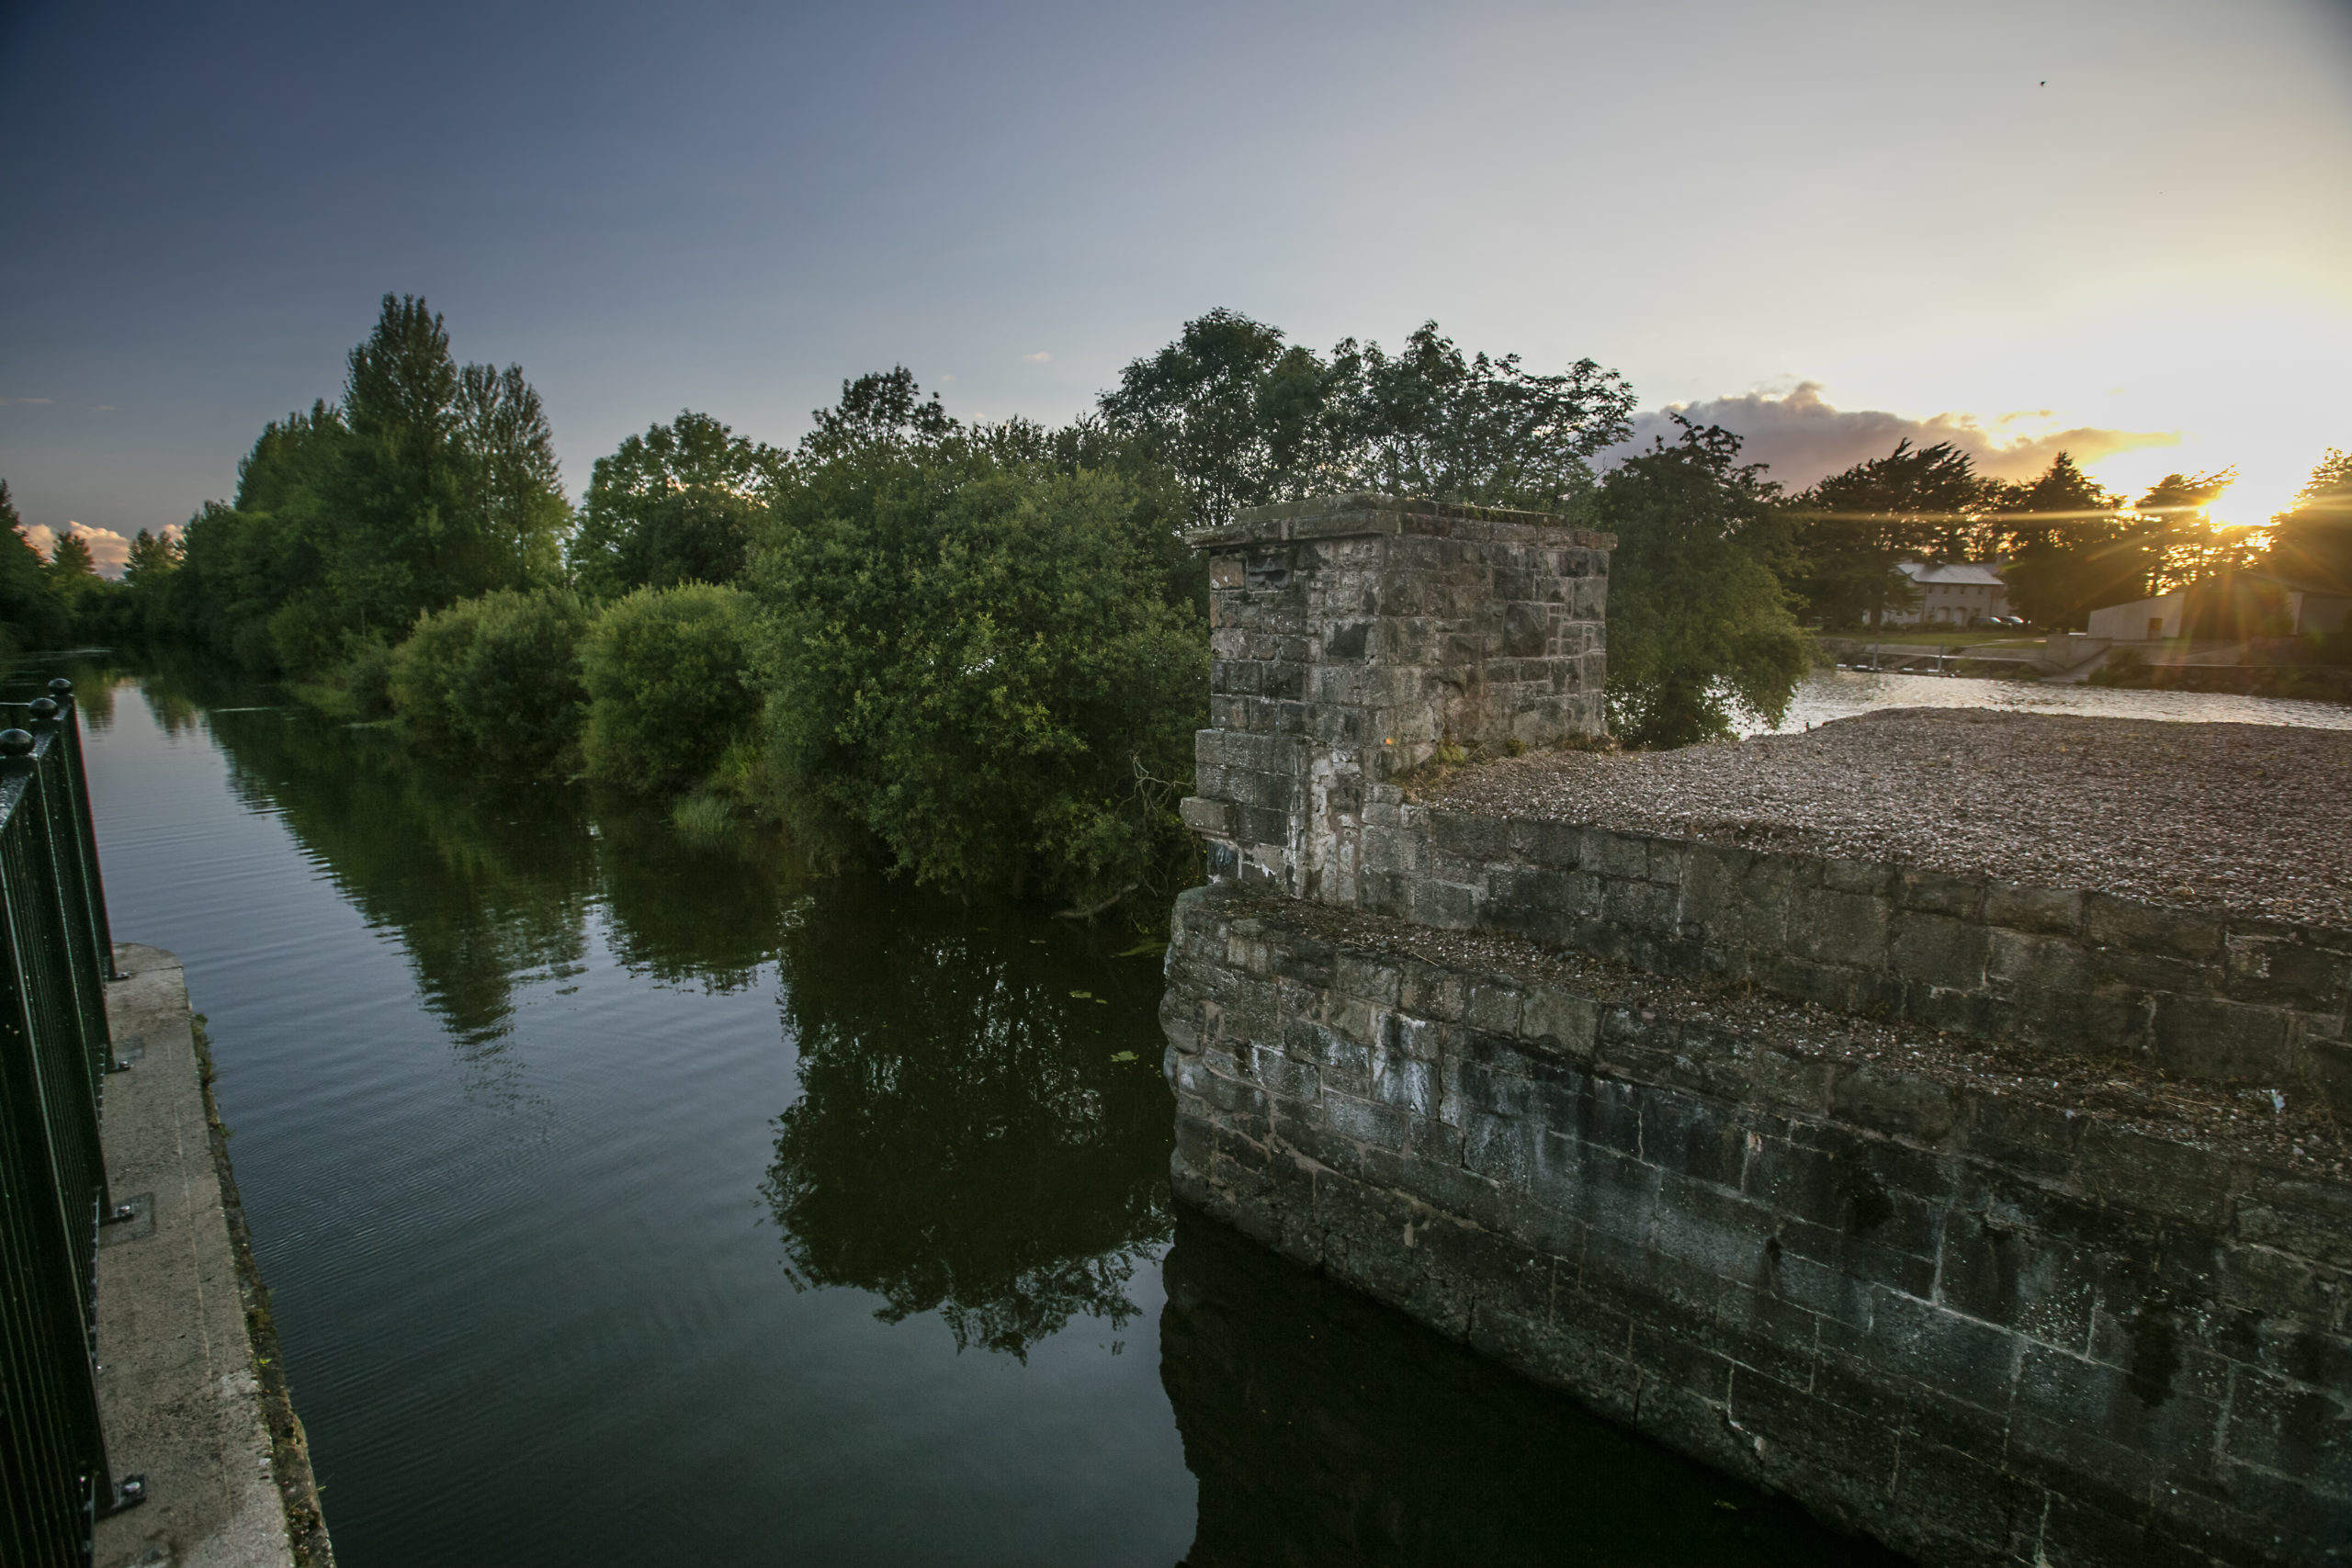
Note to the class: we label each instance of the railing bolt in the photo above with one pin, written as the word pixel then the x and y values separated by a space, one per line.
pixel 16 742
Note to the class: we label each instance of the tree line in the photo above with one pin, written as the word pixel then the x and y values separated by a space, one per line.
pixel 978 651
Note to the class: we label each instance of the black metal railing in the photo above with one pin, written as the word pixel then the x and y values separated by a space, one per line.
pixel 56 954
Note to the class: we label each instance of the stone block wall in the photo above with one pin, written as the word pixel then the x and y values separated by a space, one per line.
pixel 1983 1329
pixel 2192 993
pixel 1353 636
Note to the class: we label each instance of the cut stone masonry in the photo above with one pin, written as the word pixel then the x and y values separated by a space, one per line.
pixel 1982 1327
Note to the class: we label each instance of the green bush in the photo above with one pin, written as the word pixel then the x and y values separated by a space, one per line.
pixel 976 658
pixel 497 677
pixel 667 672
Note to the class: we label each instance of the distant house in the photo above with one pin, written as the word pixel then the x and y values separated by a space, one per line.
pixel 1951 594
pixel 2235 606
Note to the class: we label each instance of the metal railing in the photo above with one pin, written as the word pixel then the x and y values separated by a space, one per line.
pixel 56 954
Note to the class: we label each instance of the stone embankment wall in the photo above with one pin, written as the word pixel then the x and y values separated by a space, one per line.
pixel 1983 1329
pixel 2190 992
pixel 1984 1325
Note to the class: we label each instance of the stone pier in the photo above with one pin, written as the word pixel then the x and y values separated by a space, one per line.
pixel 2007 1222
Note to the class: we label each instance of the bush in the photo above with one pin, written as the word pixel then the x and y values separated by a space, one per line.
pixel 668 687
pixel 976 659
pixel 497 676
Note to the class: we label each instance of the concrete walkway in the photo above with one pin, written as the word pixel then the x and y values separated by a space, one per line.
pixel 181 1385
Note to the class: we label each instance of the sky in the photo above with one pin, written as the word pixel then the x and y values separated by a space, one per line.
pixel 2122 229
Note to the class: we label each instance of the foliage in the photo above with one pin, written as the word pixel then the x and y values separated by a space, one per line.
pixel 1852 528
pixel 1697 617
pixel 669 685
pixel 677 505
pixel 30 616
pixel 2072 549
pixel 2313 539
pixel 973 656
pixel 429 483
pixel 1241 419
pixel 497 676
pixel 2175 541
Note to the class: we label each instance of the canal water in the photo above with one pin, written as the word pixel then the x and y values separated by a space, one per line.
pixel 633 1200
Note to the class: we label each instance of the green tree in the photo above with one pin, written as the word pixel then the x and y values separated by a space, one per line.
pixel 1242 419
pixel 427 484
pixel 668 677
pixel 1697 621
pixel 1854 527
pixel 2312 541
pixel 30 616
pixel 448 488
pixel 72 574
pixel 677 505
pixel 973 658
pixel 2071 548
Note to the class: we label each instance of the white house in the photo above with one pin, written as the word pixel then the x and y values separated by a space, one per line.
pixel 1957 594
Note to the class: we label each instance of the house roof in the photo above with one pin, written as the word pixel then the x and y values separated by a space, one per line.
pixel 1972 573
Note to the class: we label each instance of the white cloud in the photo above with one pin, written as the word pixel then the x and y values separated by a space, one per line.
pixel 25 400
pixel 1803 437
pixel 1040 357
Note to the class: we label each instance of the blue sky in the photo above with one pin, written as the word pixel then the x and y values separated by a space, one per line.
pixel 2127 225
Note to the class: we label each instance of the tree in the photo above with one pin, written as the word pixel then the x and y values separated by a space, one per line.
pixel 1430 422
pixel 448 489
pixel 2176 539
pixel 1854 527
pixel 427 484
pixel 71 567
pixel 677 505
pixel 2071 547
pixel 972 656
pixel 1698 620
pixel 1241 419
pixel 30 616
pixel 2313 539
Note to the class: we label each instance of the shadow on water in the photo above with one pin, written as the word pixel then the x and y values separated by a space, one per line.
pixel 966 1139
pixel 1326 1428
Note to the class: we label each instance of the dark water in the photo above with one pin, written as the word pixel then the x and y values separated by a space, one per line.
pixel 633 1201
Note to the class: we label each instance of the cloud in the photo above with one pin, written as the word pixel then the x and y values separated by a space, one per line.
pixel 1040 357
pixel 109 551
pixel 26 399
pixel 1803 437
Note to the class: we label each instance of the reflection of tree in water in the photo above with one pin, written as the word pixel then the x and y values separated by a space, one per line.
pixel 1324 1428
pixel 963 1141
pixel 487 890
pixel 686 912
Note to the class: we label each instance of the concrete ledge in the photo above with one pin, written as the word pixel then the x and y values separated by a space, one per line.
pixel 185 1394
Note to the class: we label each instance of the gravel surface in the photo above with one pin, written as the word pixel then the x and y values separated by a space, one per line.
pixel 2254 819
pixel 2284 1128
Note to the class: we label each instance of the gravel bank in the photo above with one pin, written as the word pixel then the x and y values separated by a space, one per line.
pixel 2254 819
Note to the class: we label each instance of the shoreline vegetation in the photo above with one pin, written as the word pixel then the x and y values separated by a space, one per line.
pixel 975 653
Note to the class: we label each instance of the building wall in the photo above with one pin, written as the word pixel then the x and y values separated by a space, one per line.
pixel 2130 623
